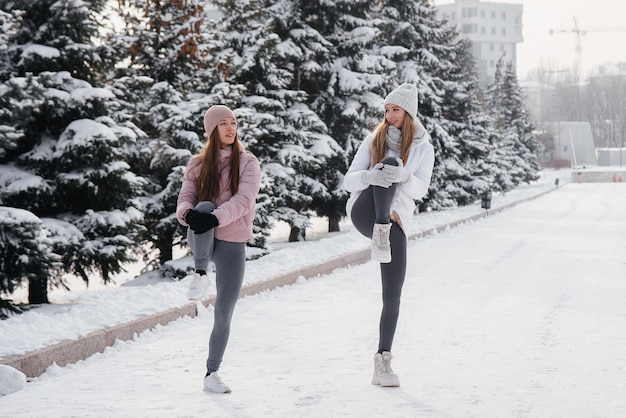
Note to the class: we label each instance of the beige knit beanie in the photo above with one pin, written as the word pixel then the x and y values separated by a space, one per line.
pixel 215 114
pixel 404 96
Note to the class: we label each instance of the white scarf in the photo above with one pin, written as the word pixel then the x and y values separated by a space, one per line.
pixel 394 139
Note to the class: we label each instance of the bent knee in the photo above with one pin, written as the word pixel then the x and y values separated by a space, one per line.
pixel 205 206
pixel 390 161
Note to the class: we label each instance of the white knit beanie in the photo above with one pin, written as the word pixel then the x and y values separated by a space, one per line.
pixel 215 114
pixel 404 96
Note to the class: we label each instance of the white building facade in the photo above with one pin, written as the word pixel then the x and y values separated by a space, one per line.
pixel 494 29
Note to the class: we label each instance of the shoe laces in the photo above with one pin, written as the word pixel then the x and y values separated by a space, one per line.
pixel 385 365
pixel 381 239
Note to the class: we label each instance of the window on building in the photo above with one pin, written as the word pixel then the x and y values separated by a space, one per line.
pixel 482 13
pixel 503 15
pixel 482 30
pixel 491 63
pixel 491 47
pixel 503 31
pixel 493 31
pixel 469 12
pixel 493 15
pixel 470 28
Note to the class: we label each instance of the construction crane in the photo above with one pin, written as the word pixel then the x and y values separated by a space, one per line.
pixel 580 33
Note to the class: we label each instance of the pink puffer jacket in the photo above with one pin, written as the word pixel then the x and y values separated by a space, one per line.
pixel 235 213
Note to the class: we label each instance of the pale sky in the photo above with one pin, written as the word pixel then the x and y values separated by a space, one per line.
pixel 603 20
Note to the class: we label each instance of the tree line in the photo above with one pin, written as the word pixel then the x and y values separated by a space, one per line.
pixel 101 107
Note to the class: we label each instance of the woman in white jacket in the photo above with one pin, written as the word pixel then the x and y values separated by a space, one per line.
pixel 391 169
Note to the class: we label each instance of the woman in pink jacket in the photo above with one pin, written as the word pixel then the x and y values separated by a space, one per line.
pixel 217 203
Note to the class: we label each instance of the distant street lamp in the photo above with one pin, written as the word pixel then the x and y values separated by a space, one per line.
pixel 618 117
pixel 614 141
pixel 485 200
pixel 611 132
pixel 557 145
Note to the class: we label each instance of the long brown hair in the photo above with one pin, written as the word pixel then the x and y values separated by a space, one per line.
pixel 379 144
pixel 208 182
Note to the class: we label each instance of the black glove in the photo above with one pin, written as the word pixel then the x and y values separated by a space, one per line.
pixel 200 222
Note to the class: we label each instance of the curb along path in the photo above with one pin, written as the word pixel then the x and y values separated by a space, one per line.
pixel 35 363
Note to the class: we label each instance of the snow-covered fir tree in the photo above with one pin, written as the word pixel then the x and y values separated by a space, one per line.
pixel 159 155
pixel 67 163
pixel 25 251
pixel 9 26
pixel 58 35
pixel 347 90
pixel 164 39
pixel 305 54
pixel 166 43
pixel 268 50
pixel 94 136
pixel 517 147
pixel 434 57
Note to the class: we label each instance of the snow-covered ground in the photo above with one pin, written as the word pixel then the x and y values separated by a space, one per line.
pixel 82 311
pixel 519 314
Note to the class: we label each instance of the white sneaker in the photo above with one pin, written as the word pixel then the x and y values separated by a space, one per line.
pixel 198 287
pixel 381 247
pixel 383 375
pixel 213 383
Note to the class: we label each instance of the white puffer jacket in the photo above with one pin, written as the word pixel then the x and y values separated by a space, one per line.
pixel 419 164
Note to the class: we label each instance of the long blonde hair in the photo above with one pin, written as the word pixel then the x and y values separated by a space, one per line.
pixel 379 144
pixel 208 182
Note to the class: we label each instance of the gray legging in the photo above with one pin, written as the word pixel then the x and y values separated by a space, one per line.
pixel 229 259
pixel 374 206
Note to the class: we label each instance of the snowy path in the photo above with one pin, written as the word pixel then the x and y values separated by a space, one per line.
pixel 521 314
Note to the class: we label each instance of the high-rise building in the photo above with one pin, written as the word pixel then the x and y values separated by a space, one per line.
pixel 494 29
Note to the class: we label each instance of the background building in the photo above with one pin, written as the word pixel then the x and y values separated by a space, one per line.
pixel 573 142
pixel 493 28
